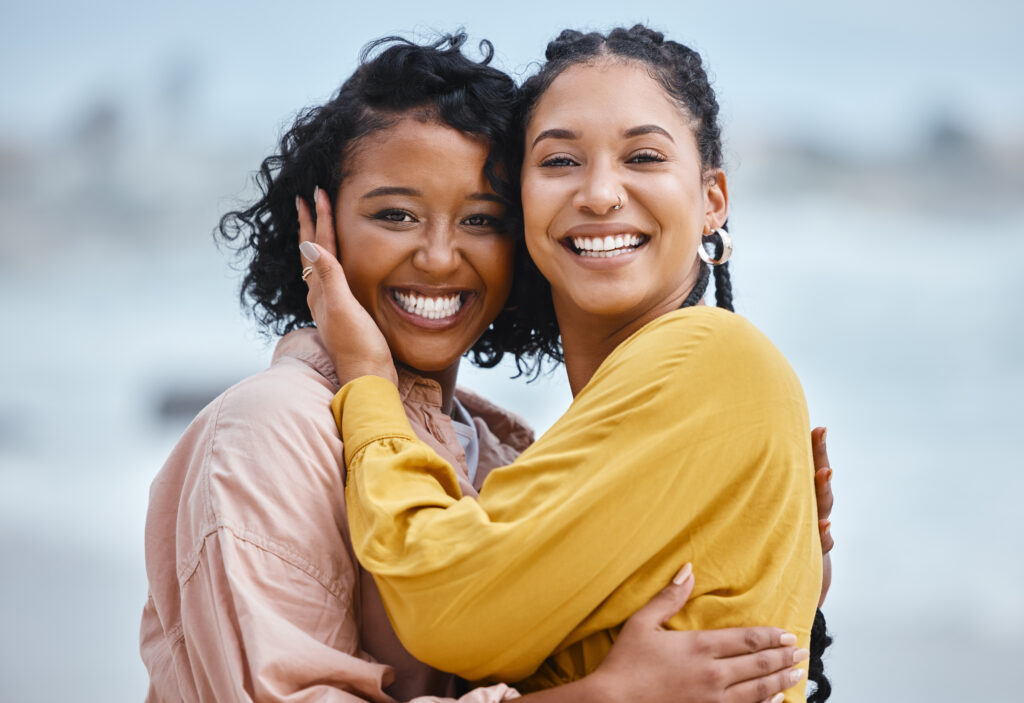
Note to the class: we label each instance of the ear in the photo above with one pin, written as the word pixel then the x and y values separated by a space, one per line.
pixel 716 199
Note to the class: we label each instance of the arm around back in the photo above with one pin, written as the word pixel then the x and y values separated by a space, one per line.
pixel 689 444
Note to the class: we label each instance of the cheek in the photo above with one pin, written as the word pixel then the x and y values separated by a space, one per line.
pixel 495 263
pixel 367 261
pixel 539 203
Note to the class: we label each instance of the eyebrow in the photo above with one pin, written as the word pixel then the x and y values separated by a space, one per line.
pixel 413 193
pixel 629 133
pixel 555 134
pixel 647 129
pixel 391 190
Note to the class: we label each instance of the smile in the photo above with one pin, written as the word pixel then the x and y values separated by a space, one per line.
pixel 608 246
pixel 427 307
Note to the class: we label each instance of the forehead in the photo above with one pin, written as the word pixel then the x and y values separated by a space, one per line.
pixel 414 149
pixel 611 92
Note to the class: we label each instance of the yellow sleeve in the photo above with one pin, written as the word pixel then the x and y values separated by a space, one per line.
pixel 690 443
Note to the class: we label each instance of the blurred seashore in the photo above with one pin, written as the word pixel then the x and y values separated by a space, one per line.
pixel 890 278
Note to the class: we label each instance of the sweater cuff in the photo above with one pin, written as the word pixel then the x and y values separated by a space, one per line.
pixel 368 409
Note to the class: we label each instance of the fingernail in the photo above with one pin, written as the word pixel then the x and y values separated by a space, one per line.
pixel 298 203
pixel 788 638
pixel 309 251
pixel 828 474
pixel 795 675
pixel 826 527
pixel 684 573
pixel 778 698
pixel 800 655
pixel 824 434
pixel 316 193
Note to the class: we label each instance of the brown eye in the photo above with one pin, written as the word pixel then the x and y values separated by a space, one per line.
pixel 646 157
pixel 558 162
pixel 394 215
pixel 481 221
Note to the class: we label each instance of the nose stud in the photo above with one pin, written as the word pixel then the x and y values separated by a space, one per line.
pixel 618 205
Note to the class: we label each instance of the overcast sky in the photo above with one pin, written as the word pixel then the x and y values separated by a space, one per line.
pixel 868 72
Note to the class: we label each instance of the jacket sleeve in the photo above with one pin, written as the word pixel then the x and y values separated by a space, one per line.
pixel 257 627
pixel 260 628
pixel 253 582
pixel 690 443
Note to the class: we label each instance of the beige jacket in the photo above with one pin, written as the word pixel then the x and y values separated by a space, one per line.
pixel 254 591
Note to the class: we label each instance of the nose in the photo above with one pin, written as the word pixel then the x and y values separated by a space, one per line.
pixel 438 254
pixel 601 190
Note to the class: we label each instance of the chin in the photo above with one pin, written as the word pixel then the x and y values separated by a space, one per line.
pixel 423 360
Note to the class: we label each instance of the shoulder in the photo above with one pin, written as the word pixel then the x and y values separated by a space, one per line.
pixel 699 356
pixel 263 459
pixel 697 328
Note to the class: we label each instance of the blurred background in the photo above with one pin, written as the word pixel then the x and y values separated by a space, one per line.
pixel 876 157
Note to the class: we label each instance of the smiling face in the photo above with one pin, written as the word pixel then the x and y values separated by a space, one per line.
pixel 420 238
pixel 602 135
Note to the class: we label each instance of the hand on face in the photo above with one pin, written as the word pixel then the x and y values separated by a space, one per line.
pixel 353 340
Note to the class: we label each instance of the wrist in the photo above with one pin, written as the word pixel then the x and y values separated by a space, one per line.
pixel 351 371
pixel 599 687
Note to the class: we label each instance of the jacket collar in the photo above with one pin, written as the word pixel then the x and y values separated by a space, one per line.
pixel 305 345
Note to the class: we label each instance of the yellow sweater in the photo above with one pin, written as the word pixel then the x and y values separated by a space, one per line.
pixel 690 443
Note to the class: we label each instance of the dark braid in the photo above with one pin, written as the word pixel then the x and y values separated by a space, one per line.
pixel 680 71
pixel 699 288
pixel 723 284
pixel 820 640
pixel 723 287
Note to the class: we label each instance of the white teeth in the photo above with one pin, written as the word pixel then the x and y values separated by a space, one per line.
pixel 607 246
pixel 430 308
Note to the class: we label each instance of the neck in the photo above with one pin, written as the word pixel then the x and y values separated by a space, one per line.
pixel 445 378
pixel 588 338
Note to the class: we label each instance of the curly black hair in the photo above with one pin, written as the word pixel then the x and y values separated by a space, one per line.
pixel 680 71
pixel 396 78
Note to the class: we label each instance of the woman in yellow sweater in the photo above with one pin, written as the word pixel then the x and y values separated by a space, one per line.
pixel 686 439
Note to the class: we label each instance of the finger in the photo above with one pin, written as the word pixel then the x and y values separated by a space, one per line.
pixel 825 531
pixel 306 234
pixel 669 601
pixel 324 222
pixel 764 686
pixel 327 271
pixel 818 444
pixel 734 641
pixel 307 231
pixel 823 492
pixel 325 235
pixel 746 667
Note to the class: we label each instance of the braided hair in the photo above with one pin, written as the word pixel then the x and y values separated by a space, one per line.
pixel 680 71
pixel 396 78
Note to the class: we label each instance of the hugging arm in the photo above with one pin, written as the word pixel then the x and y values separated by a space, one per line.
pixel 589 523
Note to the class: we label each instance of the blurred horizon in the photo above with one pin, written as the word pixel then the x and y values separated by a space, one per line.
pixel 875 155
